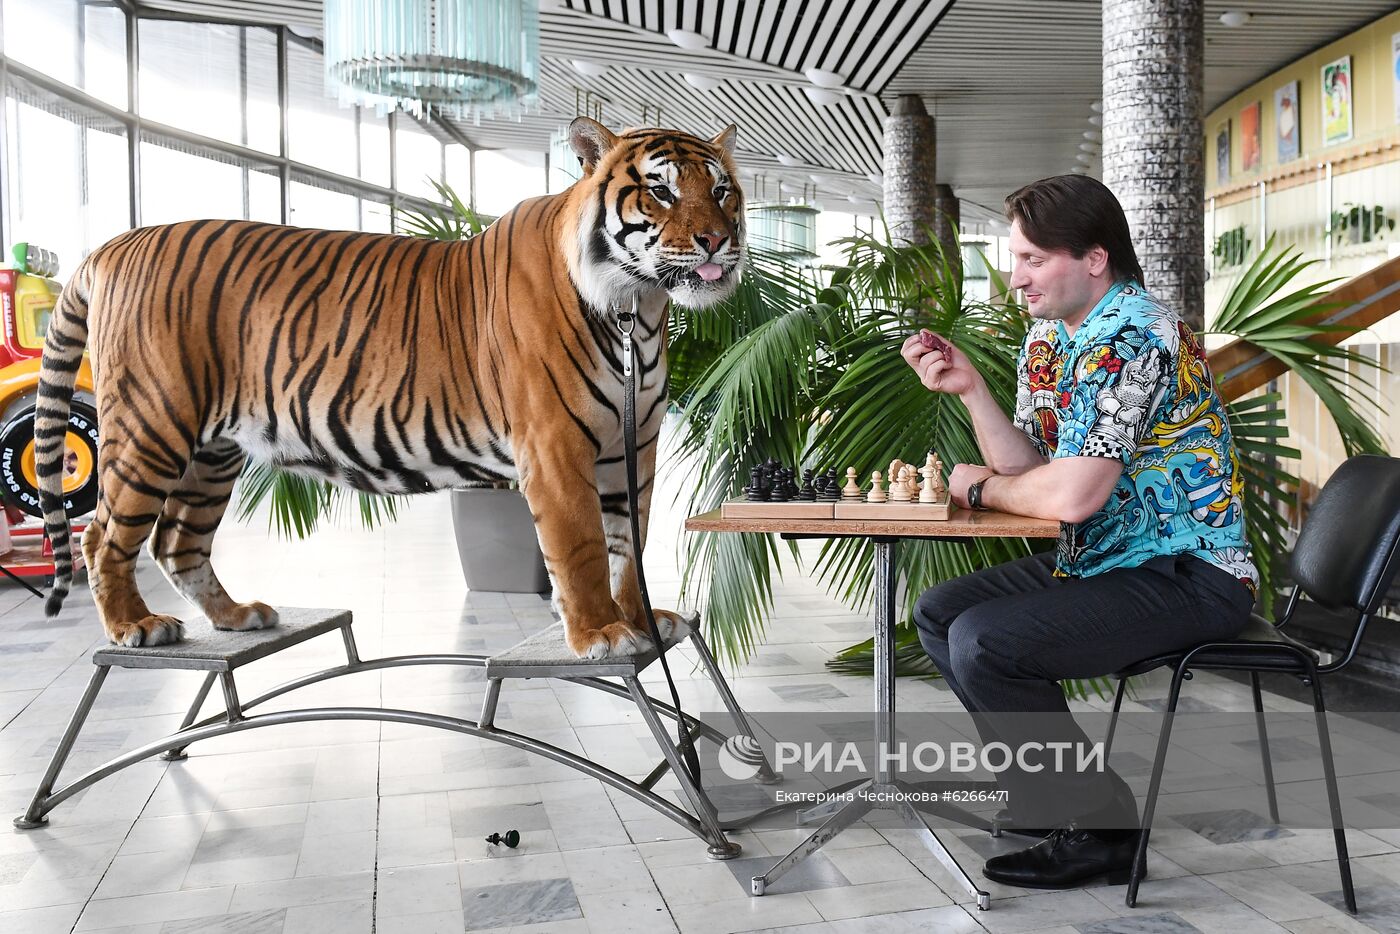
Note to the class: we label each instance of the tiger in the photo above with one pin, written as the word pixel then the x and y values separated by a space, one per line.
pixel 391 365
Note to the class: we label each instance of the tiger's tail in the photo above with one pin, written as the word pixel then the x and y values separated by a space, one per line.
pixel 63 354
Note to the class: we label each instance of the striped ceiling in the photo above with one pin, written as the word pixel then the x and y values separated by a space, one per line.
pixel 1009 81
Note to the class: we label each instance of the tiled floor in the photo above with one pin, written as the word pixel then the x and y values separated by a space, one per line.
pixel 352 826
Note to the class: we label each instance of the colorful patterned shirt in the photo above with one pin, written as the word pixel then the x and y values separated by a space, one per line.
pixel 1134 384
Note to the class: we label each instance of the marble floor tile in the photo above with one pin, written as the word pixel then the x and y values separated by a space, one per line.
pixel 343 828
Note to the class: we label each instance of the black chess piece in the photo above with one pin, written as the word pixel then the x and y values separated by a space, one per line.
pixel 831 487
pixel 808 493
pixel 788 487
pixel 511 838
pixel 755 492
pixel 770 478
pixel 779 488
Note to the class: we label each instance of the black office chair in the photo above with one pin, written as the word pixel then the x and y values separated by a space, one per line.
pixel 1346 556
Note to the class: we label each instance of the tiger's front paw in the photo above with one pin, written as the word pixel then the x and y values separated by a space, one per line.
pixel 612 640
pixel 156 629
pixel 246 616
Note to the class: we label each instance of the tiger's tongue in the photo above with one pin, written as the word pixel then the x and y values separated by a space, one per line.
pixel 709 271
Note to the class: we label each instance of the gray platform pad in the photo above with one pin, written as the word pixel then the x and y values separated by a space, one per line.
pixel 205 648
pixel 547 655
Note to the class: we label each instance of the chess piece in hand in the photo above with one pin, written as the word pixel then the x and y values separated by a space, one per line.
pixel 940 365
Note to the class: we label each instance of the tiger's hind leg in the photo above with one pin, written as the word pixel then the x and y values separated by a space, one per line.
pixel 136 477
pixel 184 534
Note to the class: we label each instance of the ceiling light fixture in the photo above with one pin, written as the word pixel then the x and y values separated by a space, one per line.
pixel 481 61
pixel 1092 135
pixel 785 159
pixel 687 39
pixel 1084 157
pixel 703 82
pixel 1096 119
pixel 1096 106
pixel 822 97
pixel 591 69
pixel 824 79
pixel 1235 18
pixel 1089 147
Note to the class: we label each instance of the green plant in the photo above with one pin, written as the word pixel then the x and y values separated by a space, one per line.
pixel 1358 224
pixel 817 379
pixel 1232 247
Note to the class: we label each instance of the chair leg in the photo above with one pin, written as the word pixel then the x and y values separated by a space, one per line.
pixel 1329 770
pixel 1113 719
pixel 1150 805
pixel 1264 747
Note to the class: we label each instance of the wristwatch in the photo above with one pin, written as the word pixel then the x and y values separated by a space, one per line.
pixel 974 494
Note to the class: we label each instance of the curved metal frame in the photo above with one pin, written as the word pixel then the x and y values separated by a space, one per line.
pixel 704 824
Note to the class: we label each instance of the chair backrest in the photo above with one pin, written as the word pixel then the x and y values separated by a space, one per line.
pixel 1349 548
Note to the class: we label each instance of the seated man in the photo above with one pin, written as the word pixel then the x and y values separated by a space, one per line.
pixel 1120 435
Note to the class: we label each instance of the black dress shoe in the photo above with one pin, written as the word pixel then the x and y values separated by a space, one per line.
pixel 1067 858
pixel 1004 823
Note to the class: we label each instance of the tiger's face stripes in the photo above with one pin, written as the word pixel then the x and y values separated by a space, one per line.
pixel 665 213
pixel 392 365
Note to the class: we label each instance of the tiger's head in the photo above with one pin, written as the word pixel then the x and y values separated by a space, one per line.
pixel 660 211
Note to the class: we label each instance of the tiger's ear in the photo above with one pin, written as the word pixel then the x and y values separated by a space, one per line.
pixel 590 141
pixel 727 137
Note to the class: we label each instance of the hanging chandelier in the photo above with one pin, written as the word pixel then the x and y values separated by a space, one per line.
pixel 463 58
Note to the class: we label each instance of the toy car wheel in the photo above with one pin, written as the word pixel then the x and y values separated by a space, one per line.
pixel 18 478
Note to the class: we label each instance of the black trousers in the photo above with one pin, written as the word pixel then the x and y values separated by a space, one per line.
pixel 1005 636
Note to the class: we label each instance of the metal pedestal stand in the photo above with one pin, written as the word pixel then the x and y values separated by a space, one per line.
pixel 544 655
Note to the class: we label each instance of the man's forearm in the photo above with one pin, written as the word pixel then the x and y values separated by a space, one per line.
pixel 1069 489
pixel 1005 447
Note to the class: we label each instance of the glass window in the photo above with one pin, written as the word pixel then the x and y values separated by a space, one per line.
pixel 459 171
pixel 180 186
pixel 43 34
pixel 322 133
pixel 50 155
pixel 374 216
pixel 505 177
pixel 319 207
pixel 104 54
pixel 264 196
pixel 189 74
pixel 261 56
pixel 374 146
pixel 419 159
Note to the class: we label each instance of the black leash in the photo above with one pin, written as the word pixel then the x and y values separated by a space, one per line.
pixel 626 320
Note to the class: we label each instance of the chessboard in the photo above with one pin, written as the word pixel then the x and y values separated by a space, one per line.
pixel 773 493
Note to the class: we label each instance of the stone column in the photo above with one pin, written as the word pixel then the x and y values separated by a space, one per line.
pixel 911 197
pixel 1153 141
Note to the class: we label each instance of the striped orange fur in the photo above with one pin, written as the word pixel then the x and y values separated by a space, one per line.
pixel 390 365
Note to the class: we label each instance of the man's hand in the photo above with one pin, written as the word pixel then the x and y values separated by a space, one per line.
pixel 964 476
pixel 940 365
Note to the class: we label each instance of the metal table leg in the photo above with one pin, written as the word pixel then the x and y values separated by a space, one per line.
pixel 883 791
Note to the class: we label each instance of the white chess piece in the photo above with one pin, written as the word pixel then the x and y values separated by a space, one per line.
pixel 902 489
pixel 930 474
pixel 877 489
pixel 852 488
